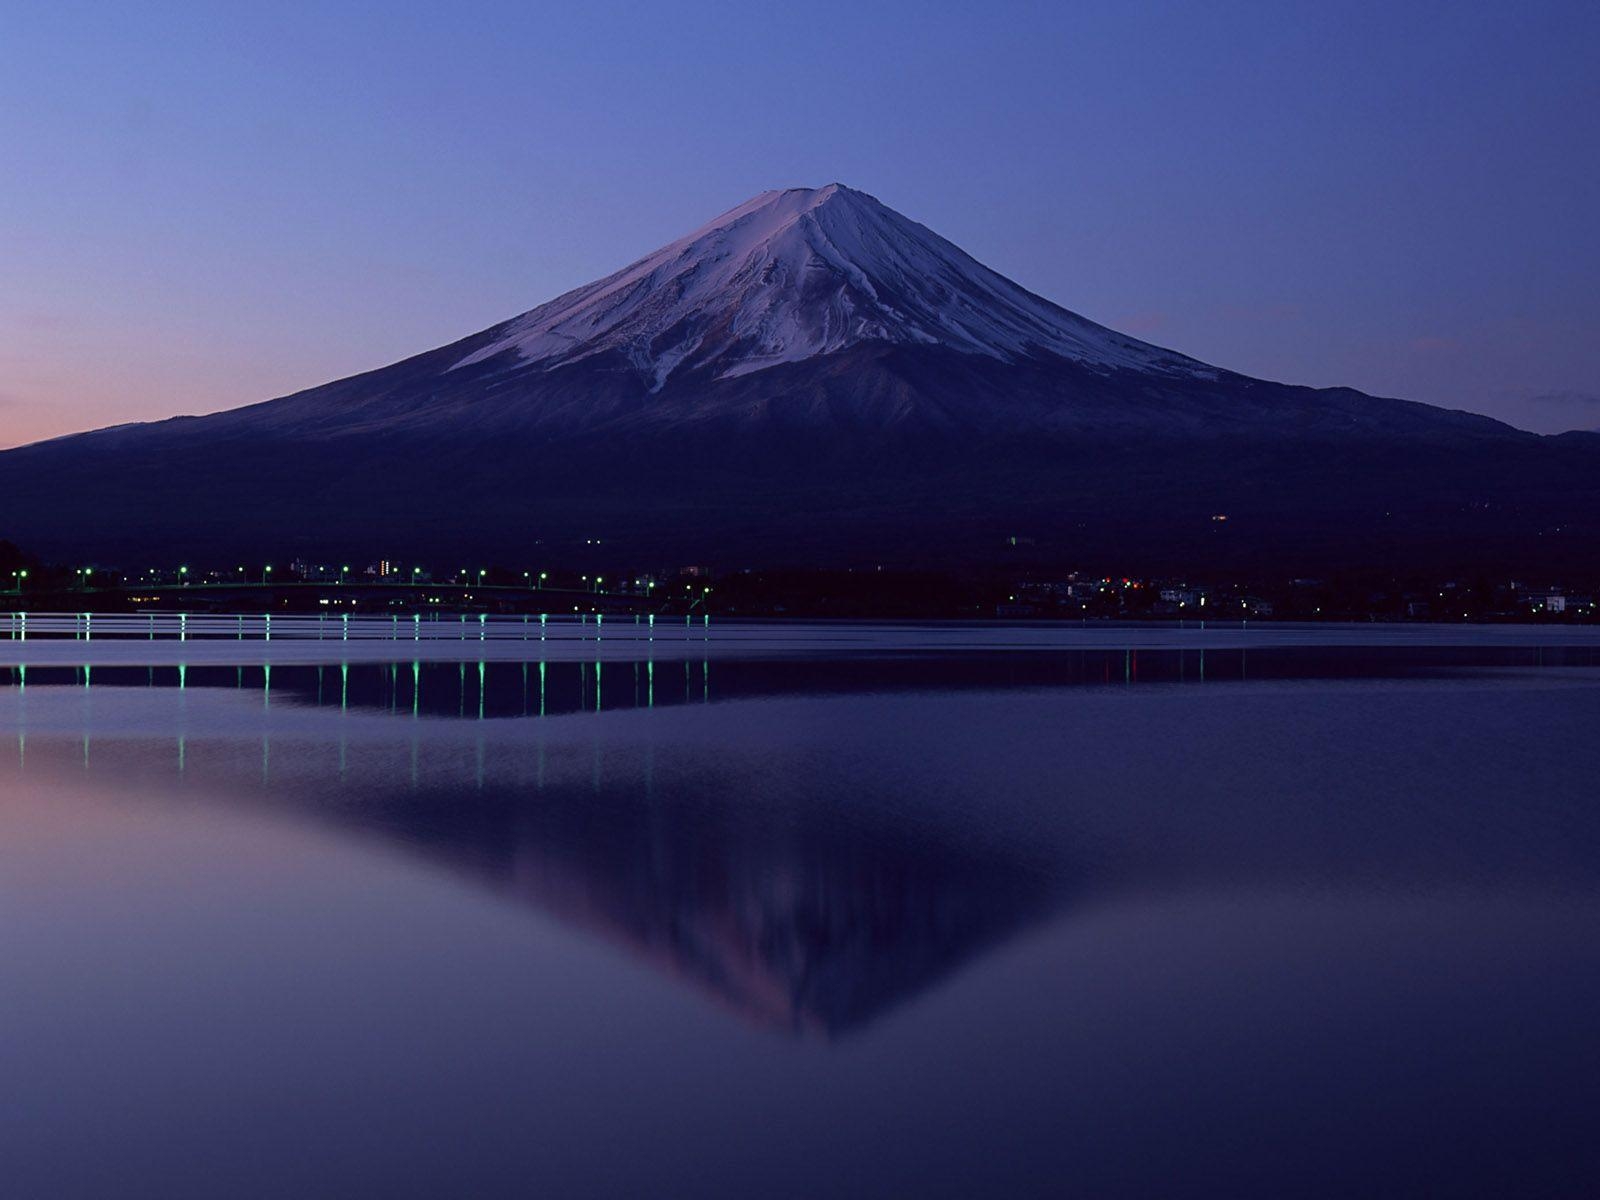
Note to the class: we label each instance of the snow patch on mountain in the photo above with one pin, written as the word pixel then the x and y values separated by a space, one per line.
pixel 790 275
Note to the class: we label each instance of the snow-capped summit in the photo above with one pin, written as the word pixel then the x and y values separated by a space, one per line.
pixel 789 275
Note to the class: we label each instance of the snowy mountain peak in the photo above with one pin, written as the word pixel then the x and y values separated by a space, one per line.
pixel 793 274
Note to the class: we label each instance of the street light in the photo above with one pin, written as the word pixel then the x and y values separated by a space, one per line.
pixel 183 576
pixel 265 571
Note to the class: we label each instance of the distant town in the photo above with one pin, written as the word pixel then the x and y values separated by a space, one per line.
pixel 395 585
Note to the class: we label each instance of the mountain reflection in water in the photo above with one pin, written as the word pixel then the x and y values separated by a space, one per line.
pixel 802 920
pixel 1275 923
pixel 800 911
pixel 804 893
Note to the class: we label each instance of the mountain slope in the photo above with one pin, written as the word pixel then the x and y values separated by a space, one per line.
pixel 813 377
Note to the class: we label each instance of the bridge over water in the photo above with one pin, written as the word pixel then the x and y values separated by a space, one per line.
pixel 344 627
pixel 260 596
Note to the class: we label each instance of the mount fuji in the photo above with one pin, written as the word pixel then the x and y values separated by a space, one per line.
pixel 812 378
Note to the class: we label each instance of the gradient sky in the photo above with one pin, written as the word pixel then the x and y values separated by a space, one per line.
pixel 205 205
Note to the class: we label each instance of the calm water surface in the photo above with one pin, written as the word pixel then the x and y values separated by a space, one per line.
pixel 1285 922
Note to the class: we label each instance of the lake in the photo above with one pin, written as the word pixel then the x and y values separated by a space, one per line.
pixel 803 911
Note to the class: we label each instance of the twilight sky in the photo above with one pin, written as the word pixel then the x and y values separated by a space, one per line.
pixel 204 205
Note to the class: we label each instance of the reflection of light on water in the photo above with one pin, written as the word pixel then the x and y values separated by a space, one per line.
pixel 375 688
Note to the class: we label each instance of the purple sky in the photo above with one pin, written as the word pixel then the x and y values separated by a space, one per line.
pixel 207 205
